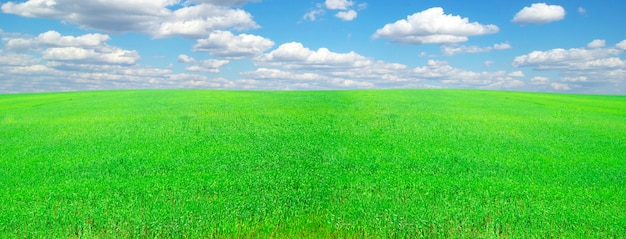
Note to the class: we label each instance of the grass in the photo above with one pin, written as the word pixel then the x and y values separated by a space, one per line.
pixel 347 164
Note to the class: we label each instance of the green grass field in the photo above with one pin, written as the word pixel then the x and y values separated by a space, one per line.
pixel 321 164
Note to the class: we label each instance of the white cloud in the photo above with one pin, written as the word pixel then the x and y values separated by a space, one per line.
pixel 313 14
pixel 488 63
pixel 113 56
pixel 539 80
pixel 87 49
pixel 577 59
pixel 560 86
pixel 501 46
pixel 516 74
pixel 433 26
pixel 224 2
pixel 211 66
pixel 109 71
pixel 454 77
pixel 582 11
pixel 575 79
pixel 55 39
pixel 377 71
pixel 294 55
pixel 453 50
pixel 621 45
pixel 63 76
pixel 226 45
pixel 539 13
pixel 595 65
pixel 275 74
pixel 86 62
pixel 597 43
pixel 113 16
pixel 345 12
pixel 52 38
pixel 152 17
pixel 9 59
pixel 347 15
pixel 285 79
pixel 29 70
pixel 331 69
pixel 351 83
pixel 338 4
pixel 200 20
pixel 351 70
pixel 185 58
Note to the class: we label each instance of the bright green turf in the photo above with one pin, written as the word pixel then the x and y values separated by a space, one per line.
pixel 396 163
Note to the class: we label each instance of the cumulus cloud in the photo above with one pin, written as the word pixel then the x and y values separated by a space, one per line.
pixel 185 58
pixel 621 45
pixel 294 55
pixel 55 62
pixel 93 56
pixel 338 4
pixel 224 2
pixel 560 86
pixel 286 79
pixel 72 63
pixel 590 65
pixel 539 80
pixel 199 20
pixel 229 46
pixel 575 79
pixel 276 74
pixel 87 49
pixel 152 17
pixel 344 7
pixel 575 59
pixel 43 78
pixel 597 43
pixel 332 69
pixel 539 13
pixel 453 50
pixel 433 26
pixel 347 15
pixel 516 74
pixel 12 59
pixel 70 76
pixel 451 76
pixel 572 60
pixel 210 65
pixel 55 39
pixel 112 16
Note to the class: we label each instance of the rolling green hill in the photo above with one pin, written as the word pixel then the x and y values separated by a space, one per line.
pixel 365 164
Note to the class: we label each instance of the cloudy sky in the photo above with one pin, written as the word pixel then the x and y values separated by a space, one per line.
pixel 558 46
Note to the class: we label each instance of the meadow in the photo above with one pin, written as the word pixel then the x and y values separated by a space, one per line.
pixel 312 164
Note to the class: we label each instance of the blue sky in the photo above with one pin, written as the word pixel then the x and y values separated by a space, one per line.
pixel 558 46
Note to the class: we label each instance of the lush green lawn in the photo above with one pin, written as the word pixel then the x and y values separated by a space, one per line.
pixel 397 163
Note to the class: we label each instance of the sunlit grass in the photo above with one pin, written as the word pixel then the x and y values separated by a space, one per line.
pixel 398 163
